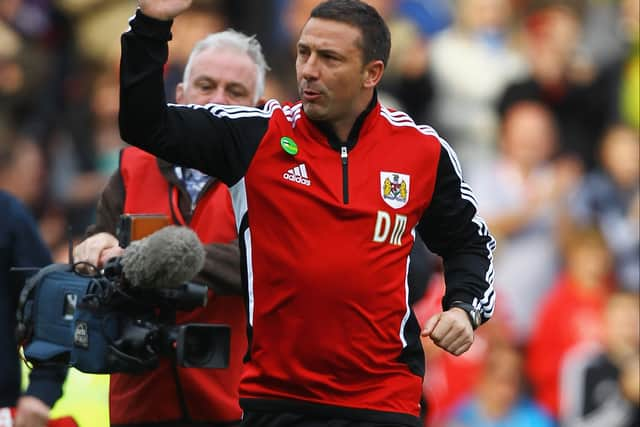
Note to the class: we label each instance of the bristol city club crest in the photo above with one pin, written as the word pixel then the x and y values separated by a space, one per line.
pixel 394 188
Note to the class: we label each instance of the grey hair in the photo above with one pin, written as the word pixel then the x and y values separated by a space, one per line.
pixel 240 42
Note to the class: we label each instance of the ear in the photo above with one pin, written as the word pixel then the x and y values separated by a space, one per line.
pixel 180 93
pixel 372 74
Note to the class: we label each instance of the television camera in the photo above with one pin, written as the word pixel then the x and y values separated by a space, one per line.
pixel 122 318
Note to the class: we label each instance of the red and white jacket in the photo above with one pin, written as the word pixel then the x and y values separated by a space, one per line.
pixel 326 232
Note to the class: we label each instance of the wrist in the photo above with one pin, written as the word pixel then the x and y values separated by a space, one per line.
pixel 151 27
pixel 150 15
pixel 473 314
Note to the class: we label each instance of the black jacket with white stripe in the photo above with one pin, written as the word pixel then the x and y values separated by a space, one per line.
pixel 325 228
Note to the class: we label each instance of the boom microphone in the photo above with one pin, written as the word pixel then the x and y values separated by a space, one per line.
pixel 165 259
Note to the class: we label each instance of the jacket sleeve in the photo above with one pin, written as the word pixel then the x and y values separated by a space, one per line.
pixel 110 206
pixel 218 140
pixel 45 382
pixel 221 271
pixel 451 228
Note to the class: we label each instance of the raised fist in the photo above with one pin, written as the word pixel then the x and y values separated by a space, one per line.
pixel 164 10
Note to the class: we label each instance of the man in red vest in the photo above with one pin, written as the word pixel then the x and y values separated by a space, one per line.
pixel 224 68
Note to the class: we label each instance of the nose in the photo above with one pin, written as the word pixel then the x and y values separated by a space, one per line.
pixel 218 96
pixel 310 70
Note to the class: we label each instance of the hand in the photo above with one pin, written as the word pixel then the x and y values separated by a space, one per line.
pixel 450 330
pixel 31 412
pixel 97 249
pixel 164 10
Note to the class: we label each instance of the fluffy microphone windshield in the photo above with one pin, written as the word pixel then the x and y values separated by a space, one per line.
pixel 165 259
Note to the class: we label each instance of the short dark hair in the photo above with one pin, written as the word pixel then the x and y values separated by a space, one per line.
pixel 376 39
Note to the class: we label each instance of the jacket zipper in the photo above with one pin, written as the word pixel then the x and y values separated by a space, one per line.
pixel 345 174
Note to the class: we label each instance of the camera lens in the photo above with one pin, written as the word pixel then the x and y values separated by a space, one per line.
pixel 199 346
pixel 203 345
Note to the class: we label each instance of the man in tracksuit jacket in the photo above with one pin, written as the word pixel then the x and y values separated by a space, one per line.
pixel 22 246
pixel 328 194
pixel 223 68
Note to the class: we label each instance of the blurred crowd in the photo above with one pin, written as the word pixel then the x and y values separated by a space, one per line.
pixel 541 101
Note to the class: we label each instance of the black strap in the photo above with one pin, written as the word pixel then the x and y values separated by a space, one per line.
pixel 186 417
pixel 170 317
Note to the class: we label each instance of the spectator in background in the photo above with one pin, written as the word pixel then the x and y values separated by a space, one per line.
pixel 523 195
pixel 499 400
pixel 34 85
pixel 619 81
pixel 25 173
pixel 430 17
pixel 407 83
pixel 74 188
pixel 602 387
pixel 629 90
pixel 472 63
pixel 22 169
pixel 11 73
pixel 21 246
pixel 561 81
pixel 571 314
pixel 610 198
pixel 605 38
pixel 226 67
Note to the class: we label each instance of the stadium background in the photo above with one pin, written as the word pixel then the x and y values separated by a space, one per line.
pixel 539 98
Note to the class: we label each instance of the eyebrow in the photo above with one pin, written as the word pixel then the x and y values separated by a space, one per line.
pixel 322 51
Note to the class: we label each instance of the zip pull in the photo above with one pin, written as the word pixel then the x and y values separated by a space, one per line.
pixel 344 156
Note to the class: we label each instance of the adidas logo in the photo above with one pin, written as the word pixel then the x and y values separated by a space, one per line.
pixel 298 174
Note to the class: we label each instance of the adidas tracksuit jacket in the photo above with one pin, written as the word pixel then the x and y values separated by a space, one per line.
pixel 325 233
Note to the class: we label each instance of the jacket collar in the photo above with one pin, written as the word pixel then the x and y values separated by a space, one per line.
pixel 364 121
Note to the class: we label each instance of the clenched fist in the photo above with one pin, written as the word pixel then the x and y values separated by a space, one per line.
pixel 164 10
pixel 450 330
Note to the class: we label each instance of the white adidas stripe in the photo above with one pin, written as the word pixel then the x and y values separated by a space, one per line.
pixel 300 170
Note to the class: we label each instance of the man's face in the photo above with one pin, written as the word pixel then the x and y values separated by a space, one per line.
pixel 220 76
pixel 329 69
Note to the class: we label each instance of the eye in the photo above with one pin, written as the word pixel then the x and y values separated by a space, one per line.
pixel 303 51
pixel 204 86
pixel 236 91
pixel 236 94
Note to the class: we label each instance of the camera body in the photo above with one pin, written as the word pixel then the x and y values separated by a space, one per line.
pixel 99 323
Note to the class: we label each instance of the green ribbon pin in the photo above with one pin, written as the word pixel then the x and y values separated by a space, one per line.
pixel 289 145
